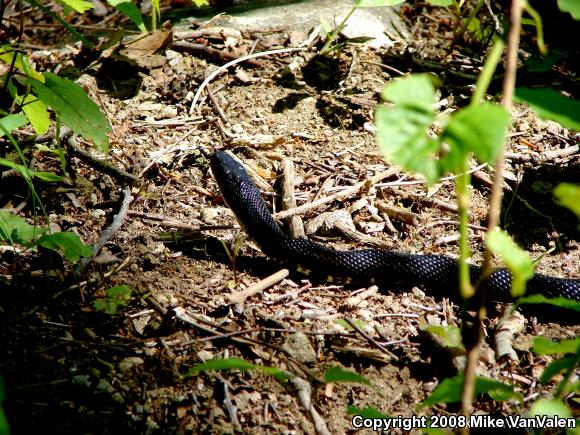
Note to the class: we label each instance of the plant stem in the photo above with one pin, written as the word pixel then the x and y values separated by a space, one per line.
pixel 336 31
pixel 472 347
pixel 489 67
pixel 463 201
pixel 568 375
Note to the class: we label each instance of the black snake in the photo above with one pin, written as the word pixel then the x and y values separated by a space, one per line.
pixel 436 272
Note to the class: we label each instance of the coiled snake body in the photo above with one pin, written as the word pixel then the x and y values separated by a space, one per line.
pixel 436 272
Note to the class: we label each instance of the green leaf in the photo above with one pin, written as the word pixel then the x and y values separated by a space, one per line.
pixel 325 26
pixel 544 346
pixel 367 412
pixel 338 374
pixel 68 243
pixel 79 6
pixel 480 129
pixel 345 325
pixel 450 335
pixel 560 301
pixel 74 108
pixel 4 428
pixel 14 229
pixel 236 364
pixel 570 6
pixel 378 3
pixel 402 131
pixel 515 258
pixel 555 367
pixel 47 176
pixel 417 91
pixel 7 54
pixel 27 173
pixel 120 292
pixel 36 113
pixel 131 10
pixel 550 408
pixel 550 104
pixel 573 387
pixel 568 195
pixel 21 169
pixel 155 4
pixel 74 32
pixel 449 391
pixel 440 2
pixel 200 3
pixel 12 122
pixel 539 63
pixel 117 298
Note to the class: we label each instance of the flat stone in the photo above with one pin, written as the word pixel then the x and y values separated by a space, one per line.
pixel 305 15
pixel 299 347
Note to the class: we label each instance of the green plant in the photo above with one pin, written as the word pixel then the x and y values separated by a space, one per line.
pixel 15 230
pixel 117 298
pixel 331 35
pixel 4 428
pixel 333 374
pixel 479 129
pixel 472 24
pixel 236 364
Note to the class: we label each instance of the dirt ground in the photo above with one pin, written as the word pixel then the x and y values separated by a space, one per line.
pixel 71 369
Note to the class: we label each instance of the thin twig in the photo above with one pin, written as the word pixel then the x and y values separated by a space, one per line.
pixel 289 199
pixel 241 296
pixel 547 156
pixel 108 233
pixel 216 105
pixel 224 68
pixel 305 395
pixel 101 165
pixel 349 191
pixel 371 339
pixel 162 221
pixel 472 347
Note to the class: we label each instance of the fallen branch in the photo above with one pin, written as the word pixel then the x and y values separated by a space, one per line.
pixel 241 296
pixel 101 165
pixel 108 233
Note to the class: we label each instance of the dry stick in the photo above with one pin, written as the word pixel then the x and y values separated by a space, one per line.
pixel 289 199
pixel 101 165
pixel 260 182
pixel 371 339
pixel 193 48
pixel 162 221
pixel 171 356
pixel 217 106
pixel 428 202
pixel 398 213
pixel 241 296
pixel 214 329
pixel 224 68
pixel 349 191
pixel 366 239
pixel 452 222
pixel 80 284
pixel 510 324
pixel 544 157
pixel 305 395
pixel 108 233
pixel 494 208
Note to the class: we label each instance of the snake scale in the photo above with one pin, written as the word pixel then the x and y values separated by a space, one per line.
pixel 435 272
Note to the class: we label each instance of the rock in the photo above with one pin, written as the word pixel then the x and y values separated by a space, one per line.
pixel 299 347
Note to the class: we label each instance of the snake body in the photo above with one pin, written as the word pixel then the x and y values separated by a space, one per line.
pixel 435 272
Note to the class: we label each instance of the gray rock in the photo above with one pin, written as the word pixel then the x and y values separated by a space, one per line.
pixel 299 347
